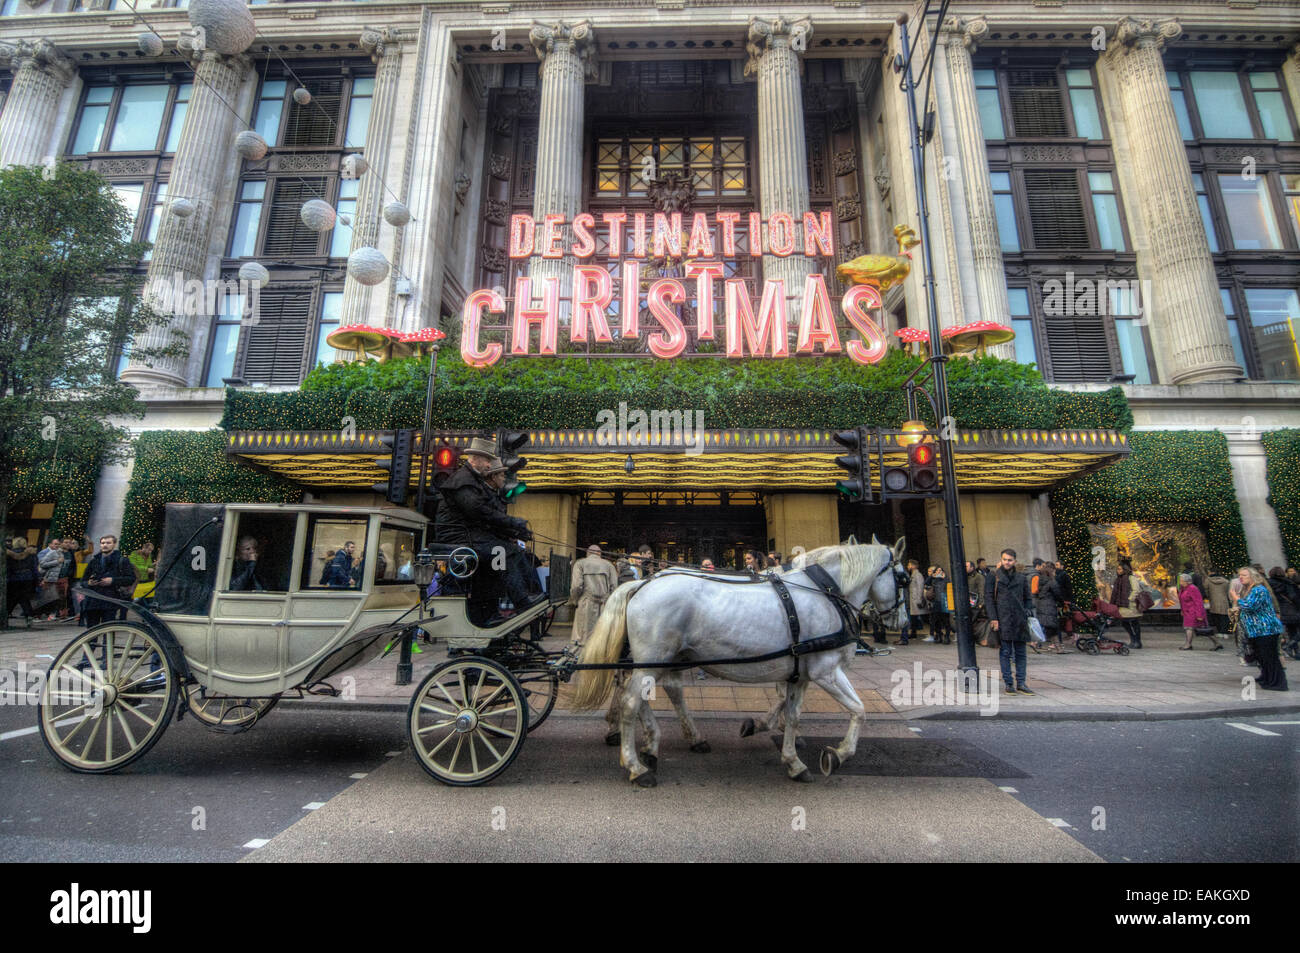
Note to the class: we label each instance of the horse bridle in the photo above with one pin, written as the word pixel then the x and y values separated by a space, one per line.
pixel 868 609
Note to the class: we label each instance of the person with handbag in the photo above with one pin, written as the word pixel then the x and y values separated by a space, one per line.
pixel 1047 603
pixel 1192 604
pixel 1125 595
pixel 1262 628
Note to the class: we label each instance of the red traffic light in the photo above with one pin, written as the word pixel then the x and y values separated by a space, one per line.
pixel 922 455
pixel 445 457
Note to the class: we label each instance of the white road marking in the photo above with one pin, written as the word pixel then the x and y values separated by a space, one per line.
pixel 1252 729
pixel 917 730
pixel 1059 822
pixel 391 754
pixel 32 730
pixel 1280 722
pixel 1008 790
pixel 932 838
pixel 313 806
pixel 358 776
pixel 257 842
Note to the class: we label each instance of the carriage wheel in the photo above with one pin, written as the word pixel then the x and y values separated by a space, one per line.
pixel 540 687
pixel 226 712
pixel 107 699
pixel 467 721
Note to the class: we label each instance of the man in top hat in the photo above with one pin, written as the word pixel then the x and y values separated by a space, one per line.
pixel 474 515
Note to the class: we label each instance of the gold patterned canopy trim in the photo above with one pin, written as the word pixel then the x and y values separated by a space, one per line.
pixel 733 460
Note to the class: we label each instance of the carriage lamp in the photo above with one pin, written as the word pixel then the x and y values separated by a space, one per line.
pixel 423 568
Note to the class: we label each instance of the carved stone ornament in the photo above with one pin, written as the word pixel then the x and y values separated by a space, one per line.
pixel 845 162
pixel 848 208
pixel 124 166
pixel 302 162
pixel 499 167
pixel 381 43
pixel 1047 153
pixel 463 182
pixel 883 183
pixel 776 33
pixel 578 38
pixel 1147 32
pixel 529 101
pixel 970 31
pixel 494 260
pixel 498 212
pixel 671 193
pixel 503 124
pixel 39 54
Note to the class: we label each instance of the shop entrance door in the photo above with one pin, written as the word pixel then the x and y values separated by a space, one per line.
pixel 676 527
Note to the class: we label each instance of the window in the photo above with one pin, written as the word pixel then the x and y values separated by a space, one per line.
pixel 177 121
pixel 1022 322
pixel 395 560
pixel 1238 352
pixel 1004 205
pixel 225 341
pixel 1131 333
pixel 1291 188
pixel 1056 216
pixel 363 91
pixel 1037 110
pixel 331 309
pixel 335 553
pixel 1179 97
pixel 341 235
pixel 247 218
pixel 986 94
pixel 1266 88
pixel 1251 224
pixel 1083 104
pixel 261 559
pixel 130 194
pixel 1221 105
pixel 130 117
pixel 716 165
pixel 155 217
pixel 270 108
pixel 274 349
pixel 1231 103
pixel 1203 202
pixel 1274 315
pixel 1105 205
pixel 9 7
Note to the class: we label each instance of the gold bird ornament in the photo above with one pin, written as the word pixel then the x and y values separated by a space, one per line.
pixel 882 271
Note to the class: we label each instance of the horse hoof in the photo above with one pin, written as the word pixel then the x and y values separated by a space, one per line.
pixel 651 761
pixel 747 727
pixel 646 780
pixel 701 747
pixel 613 739
pixel 830 761
pixel 804 776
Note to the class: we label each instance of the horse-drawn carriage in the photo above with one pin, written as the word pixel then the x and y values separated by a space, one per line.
pixel 259 601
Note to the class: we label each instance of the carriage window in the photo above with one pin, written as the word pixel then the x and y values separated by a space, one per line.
pixel 336 552
pixel 262 552
pixel 397 551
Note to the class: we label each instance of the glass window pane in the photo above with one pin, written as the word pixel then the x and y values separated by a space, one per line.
pixel 90 130
pixel 985 77
pixel 1211 236
pixel 1250 213
pixel 1226 297
pixel 1078 77
pixel 1272 113
pixel 1275 322
pixel 1132 350
pixel 243 241
pixel 253 190
pixel 1100 182
pixel 1221 105
pixel 1006 213
pixel 155 216
pixel 1184 118
pixel 1110 234
pixel 269 109
pixel 1001 181
pixel 990 114
pixel 130 193
pixel 139 118
pixel 1018 298
pixel 358 121
pixel 225 340
pixel 1025 352
pixel 1263 79
pixel 1238 352
pixel 1087 117
pixel 174 130
pixel 331 309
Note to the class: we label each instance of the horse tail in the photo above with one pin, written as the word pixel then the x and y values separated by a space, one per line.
pixel 604 646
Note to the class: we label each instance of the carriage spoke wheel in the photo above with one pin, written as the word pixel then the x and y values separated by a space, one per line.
pixel 467 721
pixel 540 687
pixel 107 698
pixel 226 712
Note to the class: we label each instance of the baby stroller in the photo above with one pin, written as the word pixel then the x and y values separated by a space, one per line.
pixel 1090 628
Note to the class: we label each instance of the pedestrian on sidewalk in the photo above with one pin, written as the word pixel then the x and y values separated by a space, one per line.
pixel 20 582
pixel 915 601
pixel 1263 628
pixel 593 580
pixel 1216 590
pixel 1192 604
pixel 1124 595
pixel 940 619
pixel 1008 605
pixel 1287 595
pixel 1047 603
pixel 107 574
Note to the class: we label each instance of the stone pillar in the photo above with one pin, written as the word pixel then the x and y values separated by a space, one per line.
pixel 203 156
pixel 802 519
pixel 568 55
pixel 1250 480
pixel 774 48
pixel 1187 314
pixel 958 39
pixel 1291 77
pixel 41 73
pixel 385 49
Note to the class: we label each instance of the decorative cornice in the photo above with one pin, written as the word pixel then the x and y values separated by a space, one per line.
pixel 579 38
pixel 386 41
pixel 775 33
pixel 1147 32
pixel 969 31
pixel 39 54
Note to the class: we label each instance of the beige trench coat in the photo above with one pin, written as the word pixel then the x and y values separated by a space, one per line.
pixel 593 580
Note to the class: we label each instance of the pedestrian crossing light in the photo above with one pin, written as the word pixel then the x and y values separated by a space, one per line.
pixel 511 441
pixel 856 488
pixel 923 462
pixel 401 443
pixel 445 460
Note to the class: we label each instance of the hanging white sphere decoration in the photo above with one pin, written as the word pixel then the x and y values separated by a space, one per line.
pixel 355 166
pixel 250 145
pixel 396 214
pixel 227 25
pixel 318 215
pixel 345 219
pixel 254 273
pixel 302 96
pixel 367 266
pixel 151 44
pixel 182 208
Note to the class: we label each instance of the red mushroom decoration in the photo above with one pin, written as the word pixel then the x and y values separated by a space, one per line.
pixel 915 336
pixel 357 338
pixel 979 336
pixel 962 342
pixel 423 339
pixel 395 345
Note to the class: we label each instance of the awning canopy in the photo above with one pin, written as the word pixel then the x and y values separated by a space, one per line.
pixel 573 460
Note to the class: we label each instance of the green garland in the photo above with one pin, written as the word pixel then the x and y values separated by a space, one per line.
pixel 1170 476
pixel 68 484
pixel 178 466
pixel 1282 454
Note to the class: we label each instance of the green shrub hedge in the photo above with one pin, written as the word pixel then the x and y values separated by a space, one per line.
pixel 1282 453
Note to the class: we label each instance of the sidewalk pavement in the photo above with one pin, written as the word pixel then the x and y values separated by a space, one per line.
pixel 1156 682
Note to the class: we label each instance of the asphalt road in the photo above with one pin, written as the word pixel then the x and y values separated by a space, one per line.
pixel 950 791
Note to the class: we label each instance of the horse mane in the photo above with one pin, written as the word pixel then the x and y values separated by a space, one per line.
pixel 854 559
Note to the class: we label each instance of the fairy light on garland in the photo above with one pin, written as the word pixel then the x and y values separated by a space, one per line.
pixel 1282 456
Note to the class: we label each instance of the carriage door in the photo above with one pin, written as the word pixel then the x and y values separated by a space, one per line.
pixel 252 591
pixel 329 593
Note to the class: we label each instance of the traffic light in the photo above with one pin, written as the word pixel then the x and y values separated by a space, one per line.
pixel 511 441
pixel 445 460
pixel 857 487
pixel 398 465
pixel 919 477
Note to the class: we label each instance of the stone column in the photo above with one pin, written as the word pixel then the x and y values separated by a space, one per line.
pixel 1291 76
pixel 568 55
pixel 1186 311
pixel 958 39
pixel 180 253
pixel 774 48
pixel 41 73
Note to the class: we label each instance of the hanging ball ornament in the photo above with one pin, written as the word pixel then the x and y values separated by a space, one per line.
pixel 227 25
pixel 250 145
pixel 318 215
pixel 254 273
pixel 345 219
pixel 396 214
pixel 367 266
pixel 302 96
pixel 150 44
pixel 355 166
pixel 182 208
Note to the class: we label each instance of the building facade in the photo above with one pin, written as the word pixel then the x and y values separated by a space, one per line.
pixel 1121 185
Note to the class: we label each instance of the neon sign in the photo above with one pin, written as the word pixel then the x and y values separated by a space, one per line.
pixel 749 329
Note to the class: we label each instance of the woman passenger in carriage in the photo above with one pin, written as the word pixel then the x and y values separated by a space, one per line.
pixel 243 574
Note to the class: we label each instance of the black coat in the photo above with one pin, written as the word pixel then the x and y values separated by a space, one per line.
pixel 1067 587
pixel 473 513
pixel 1288 599
pixel 118 572
pixel 1048 600
pixel 1006 599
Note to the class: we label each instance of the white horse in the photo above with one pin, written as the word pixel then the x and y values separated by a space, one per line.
pixel 686 616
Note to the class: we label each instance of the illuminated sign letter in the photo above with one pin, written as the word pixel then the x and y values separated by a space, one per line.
pixel 547 316
pixel 615 222
pixel 780 234
pixel 755 235
pixel 704 272
pixel 856 303
pixel 817 236
pixel 471 316
pixel 816 322
pixel 701 243
pixel 742 329
pixel 727 221
pixel 631 282
pixel 671 341
pixel 668 235
pixel 593 289
pixel 552 236
pixel 521 235
pixel 585 244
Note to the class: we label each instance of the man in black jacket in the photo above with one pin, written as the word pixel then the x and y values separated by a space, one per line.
pixel 474 514
pixel 1007 602
pixel 108 573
